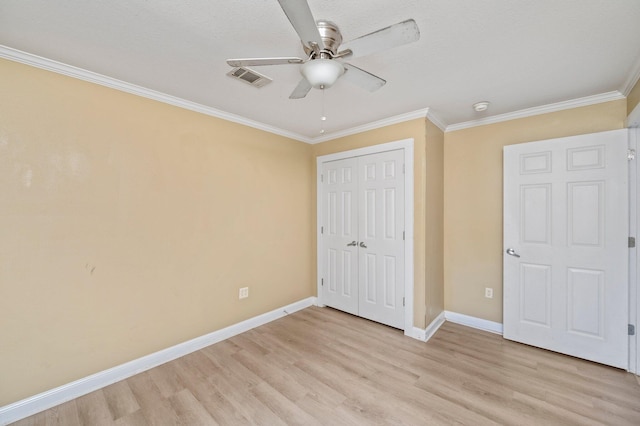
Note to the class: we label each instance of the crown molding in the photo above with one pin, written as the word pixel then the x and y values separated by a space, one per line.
pixel 92 77
pixel 633 78
pixel 113 83
pixel 436 120
pixel 544 109
pixel 421 113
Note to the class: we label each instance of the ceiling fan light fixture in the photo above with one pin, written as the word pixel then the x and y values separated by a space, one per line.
pixel 322 73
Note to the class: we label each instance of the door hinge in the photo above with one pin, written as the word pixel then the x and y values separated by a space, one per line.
pixel 632 242
pixel 632 330
pixel 403 301
pixel 631 154
pixel 322 282
pixel 322 229
pixel 321 178
pixel 402 235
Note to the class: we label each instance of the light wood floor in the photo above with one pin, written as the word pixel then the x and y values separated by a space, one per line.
pixel 321 366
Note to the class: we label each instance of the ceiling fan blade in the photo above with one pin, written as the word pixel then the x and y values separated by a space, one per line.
pixel 254 62
pixel 302 20
pixel 386 38
pixel 301 90
pixel 362 78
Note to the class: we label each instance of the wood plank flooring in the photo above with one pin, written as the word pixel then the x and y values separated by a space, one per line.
pixel 321 366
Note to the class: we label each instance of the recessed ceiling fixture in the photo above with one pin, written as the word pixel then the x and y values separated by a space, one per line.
pixel 481 106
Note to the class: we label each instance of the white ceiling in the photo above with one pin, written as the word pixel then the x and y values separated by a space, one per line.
pixel 517 54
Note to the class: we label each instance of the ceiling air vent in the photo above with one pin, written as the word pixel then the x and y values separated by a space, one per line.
pixel 249 76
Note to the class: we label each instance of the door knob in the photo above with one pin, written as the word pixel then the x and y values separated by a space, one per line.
pixel 363 245
pixel 352 243
pixel 512 252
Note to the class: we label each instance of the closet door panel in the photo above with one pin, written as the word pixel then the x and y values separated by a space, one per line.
pixel 381 245
pixel 340 209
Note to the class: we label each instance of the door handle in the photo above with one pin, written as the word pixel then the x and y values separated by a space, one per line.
pixel 352 243
pixel 363 245
pixel 512 252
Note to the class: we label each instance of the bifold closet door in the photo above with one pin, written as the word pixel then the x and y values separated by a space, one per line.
pixel 363 238
pixel 340 235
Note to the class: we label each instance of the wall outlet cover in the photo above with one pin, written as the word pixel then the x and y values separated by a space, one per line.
pixel 488 293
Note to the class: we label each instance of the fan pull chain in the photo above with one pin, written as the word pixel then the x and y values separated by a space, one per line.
pixel 323 117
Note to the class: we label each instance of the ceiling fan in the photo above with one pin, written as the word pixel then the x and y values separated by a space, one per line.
pixel 322 43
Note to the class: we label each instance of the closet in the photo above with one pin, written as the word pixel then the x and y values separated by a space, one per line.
pixel 362 265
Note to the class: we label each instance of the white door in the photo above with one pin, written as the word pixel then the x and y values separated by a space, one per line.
pixel 566 245
pixel 363 240
pixel 381 247
pixel 340 235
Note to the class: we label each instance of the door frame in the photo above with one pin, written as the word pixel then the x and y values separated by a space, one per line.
pixel 633 124
pixel 407 146
pixel 634 253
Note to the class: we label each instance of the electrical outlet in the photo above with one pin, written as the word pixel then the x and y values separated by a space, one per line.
pixel 488 293
pixel 244 293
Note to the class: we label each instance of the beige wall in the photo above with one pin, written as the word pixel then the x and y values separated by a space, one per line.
pixel 434 217
pixel 473 198
pixel 128 226
pixel 634 98
pixel 427 166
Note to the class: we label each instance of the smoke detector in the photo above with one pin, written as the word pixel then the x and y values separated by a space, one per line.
pixel 481 106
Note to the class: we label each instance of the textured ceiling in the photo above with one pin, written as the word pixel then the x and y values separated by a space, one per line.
pixel 515 54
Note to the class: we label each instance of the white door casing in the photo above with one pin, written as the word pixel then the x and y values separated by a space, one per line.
pixel 634 253
pixel 404 271
pixel 566 216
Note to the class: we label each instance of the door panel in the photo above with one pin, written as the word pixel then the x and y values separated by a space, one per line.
pixel 382 194
pixel 389 285
pixel 341 213
pixel 369 278
pixel 585 302
pixel 535 206
pixel 586 213
pixel 566 216
pixel 535 294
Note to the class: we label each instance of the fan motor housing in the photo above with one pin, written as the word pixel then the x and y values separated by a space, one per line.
pixel 331 37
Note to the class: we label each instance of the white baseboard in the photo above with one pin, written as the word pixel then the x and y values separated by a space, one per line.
pixel 416 333
pixel 426 334
pixel 469 321
pixel 434 326
pixel 45 400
